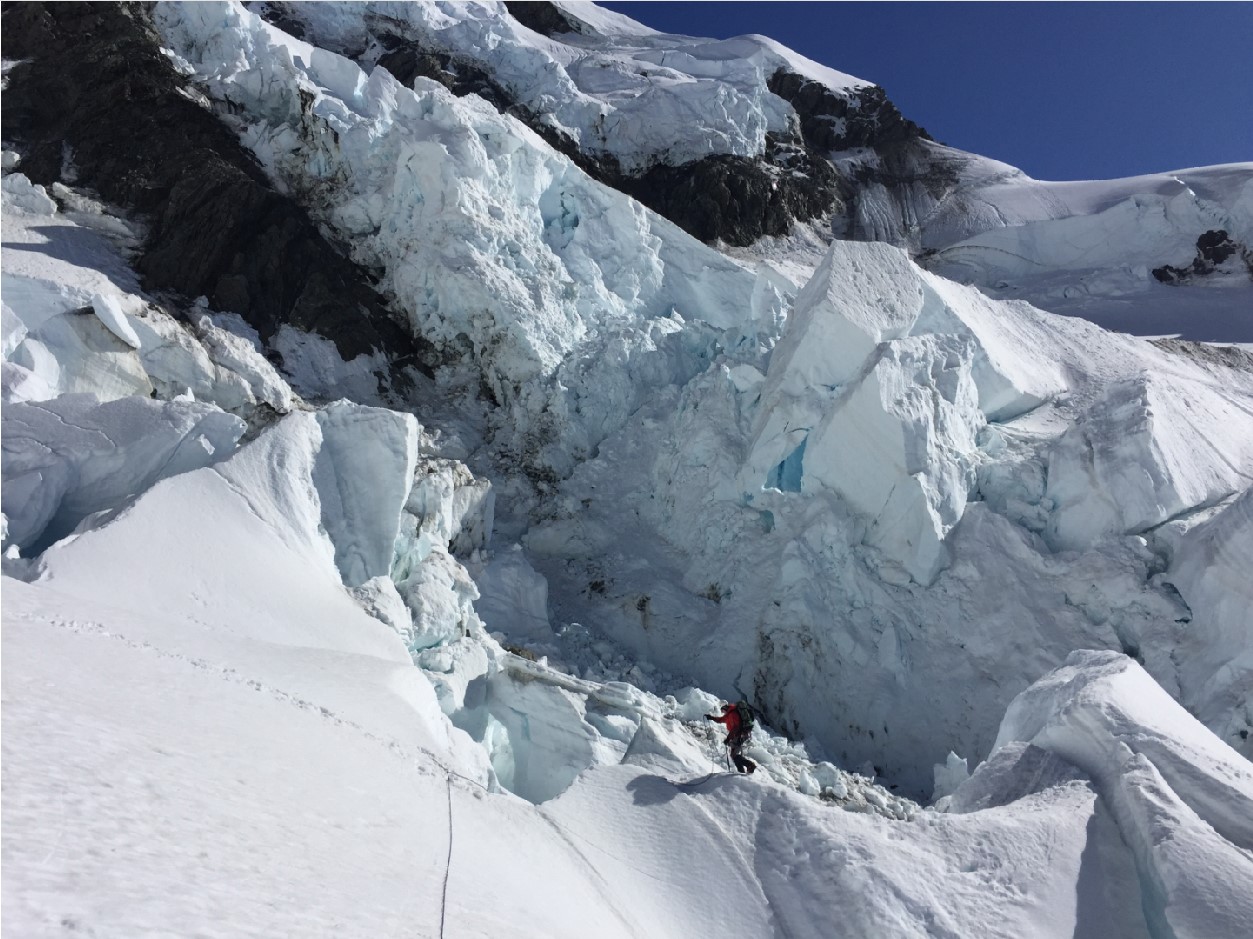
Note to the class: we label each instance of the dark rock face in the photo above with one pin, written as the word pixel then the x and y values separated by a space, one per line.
pixel 94 87
pixel 1213 248
pixel 543 17
pixel 914 176
pixel 407 60
pixel 832 122
pixel 738 200
pixel 905 166
pixel 1232 357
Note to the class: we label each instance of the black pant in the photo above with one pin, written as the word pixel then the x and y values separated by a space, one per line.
pixel 742 763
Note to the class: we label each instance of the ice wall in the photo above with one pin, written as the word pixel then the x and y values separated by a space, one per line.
pixel 1182 799
pixel 1209 566
pixel 864 531
pixel 885 376
pixel 565 294
pixel 615 87
pixel 71 457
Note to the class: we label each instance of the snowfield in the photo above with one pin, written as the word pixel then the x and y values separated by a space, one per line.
pixel 286 657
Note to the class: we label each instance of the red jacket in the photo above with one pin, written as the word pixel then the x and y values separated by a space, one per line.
pixel 732 719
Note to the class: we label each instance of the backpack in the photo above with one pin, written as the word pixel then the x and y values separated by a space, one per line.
pixel 748 719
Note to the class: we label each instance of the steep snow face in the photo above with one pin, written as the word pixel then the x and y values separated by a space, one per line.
pixel 1102 249
pixel 614 87
pixel 1147 450
pixel 1209 568
pixel 567 295
pixel 1182 800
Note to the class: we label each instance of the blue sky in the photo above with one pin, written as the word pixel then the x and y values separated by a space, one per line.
pixel 1062 90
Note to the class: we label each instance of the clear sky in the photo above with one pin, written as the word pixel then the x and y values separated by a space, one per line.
pixel 1061 90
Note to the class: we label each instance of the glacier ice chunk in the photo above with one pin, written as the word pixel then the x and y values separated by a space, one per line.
pixel 70 457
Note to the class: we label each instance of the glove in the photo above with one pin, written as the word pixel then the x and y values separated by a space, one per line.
pixel 709 717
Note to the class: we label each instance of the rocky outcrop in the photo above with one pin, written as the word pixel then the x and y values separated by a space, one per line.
pixel 95 102
pixel 830 122
pixel 1215 250
pixel 890 193
pixel 408 60
pixel 903 170
pixel 738 200
pixel 543 17
pixel 732 199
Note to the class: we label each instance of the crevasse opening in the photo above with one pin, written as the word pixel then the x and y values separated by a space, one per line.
pixel 787 474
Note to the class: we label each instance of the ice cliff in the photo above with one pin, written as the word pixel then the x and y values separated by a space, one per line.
pixel 898 426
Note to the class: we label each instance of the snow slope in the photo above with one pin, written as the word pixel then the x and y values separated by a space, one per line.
pixel 1181 800
pixel 161 779
pixel 129 816
pixel 1089 248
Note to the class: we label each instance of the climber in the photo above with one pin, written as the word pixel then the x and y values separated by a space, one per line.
pixel 739 729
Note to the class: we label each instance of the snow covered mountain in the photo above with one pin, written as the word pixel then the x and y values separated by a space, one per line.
pixel 410 410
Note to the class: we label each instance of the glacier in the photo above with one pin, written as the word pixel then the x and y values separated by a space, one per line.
pixel 283 624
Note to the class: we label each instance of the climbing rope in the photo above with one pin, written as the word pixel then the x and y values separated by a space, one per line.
pixel 443 901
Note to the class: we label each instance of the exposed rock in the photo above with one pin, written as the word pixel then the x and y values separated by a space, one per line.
pixel 408 60
pixel 1213 249
pixel 902 169
pixel 910 176
pixel 1234 357
pixel 543 17
pixel 95 91
pixel 736 199
pixel 831 122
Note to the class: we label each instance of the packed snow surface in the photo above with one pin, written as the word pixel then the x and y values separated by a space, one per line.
pixel 124 815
